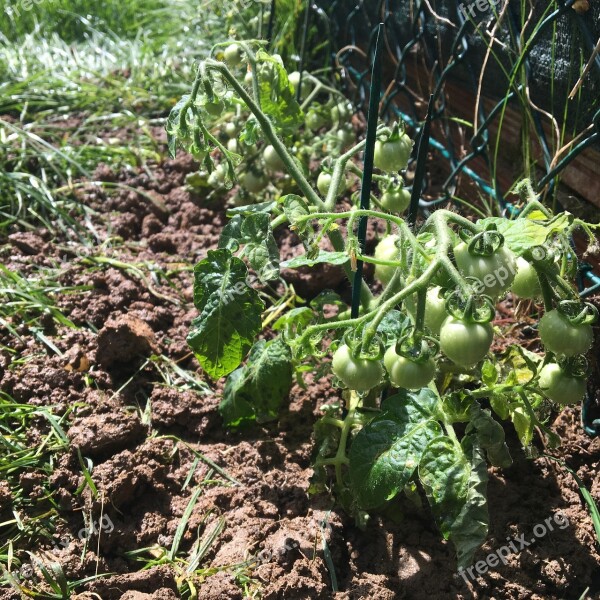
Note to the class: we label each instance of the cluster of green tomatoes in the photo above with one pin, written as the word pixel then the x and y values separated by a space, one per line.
pixel 456 326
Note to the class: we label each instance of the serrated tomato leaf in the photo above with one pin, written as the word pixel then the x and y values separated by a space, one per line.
pixel 386 451
pixel 255 391
pixel 260 246
pixel 522 234
pixel 455 479
pixel 230 313
pixel 277 97
pixel 490 435
pixel 324 256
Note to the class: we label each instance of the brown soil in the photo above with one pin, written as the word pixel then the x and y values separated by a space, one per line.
pixel 122 412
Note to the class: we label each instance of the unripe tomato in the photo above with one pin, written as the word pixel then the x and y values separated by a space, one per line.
pixel 214 109
pixel 395 201
pixel 217 177
pixel 231 129
pixel 392 156
pixel 314 121
pixel 340 112
pixel 324 182
pixel 358 374
pixel 346 136
pixel 495 273
pixel 294 79
pixel 253 181
pixel 561 336
pixel 233 55
pixel 386 250
pixel 272 159
pixel 526 283
pixel 248 78
pixel 465 343
pixel 435 309
pixel 560 387
pixel 232 145
pixel 406 373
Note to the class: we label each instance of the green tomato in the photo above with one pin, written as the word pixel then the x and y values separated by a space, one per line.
pixel 253 181
pixel 526 283
pixel 248 78
pixel 495 273
pixel 233 55
pixel 231 129
pixel 358 374
pixel 314 121
pixel 272 159
pixel 435 309
pixel 217 177
pixel 560 387
pixel 294 79
pixel 395 201
pixel 340 112
pixel 346 136
pixel 561 336
pixel 200 155
pixel 324 182
pixel 214 109
pixel 386 250
pixel 465 343
pixel 392 156
pixel 232 145
pixel 406 373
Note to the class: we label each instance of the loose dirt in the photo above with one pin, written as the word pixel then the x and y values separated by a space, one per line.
pixel 127 417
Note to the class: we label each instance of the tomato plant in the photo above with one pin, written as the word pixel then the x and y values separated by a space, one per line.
pixel 414 424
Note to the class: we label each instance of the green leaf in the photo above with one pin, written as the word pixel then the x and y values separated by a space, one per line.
pixel 174 133
pixel 393 326
pixel 294 208
pixel 489 373
pixel 456 406
pixel 231 234
pixel 324 256
pixel 249 209
pixel 255 391
pixel 455 478
pixel 522 234
pixel 251 132
pixel 421 404
pixel 523 422
pixel 277 97
pixel 500 404
pixel 296 318
pixel 470 527
pixel 230 313
pixel 386 451
pixel 490 436
pixel 260 246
